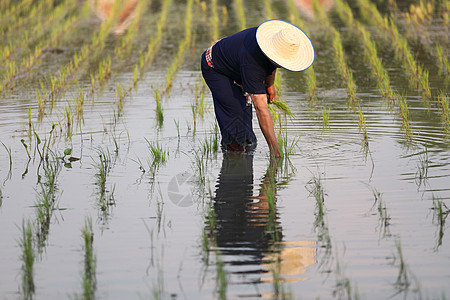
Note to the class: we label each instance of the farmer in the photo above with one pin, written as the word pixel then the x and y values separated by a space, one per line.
pixel 240 69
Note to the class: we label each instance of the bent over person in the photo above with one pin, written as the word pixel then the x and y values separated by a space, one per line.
pixel 240 70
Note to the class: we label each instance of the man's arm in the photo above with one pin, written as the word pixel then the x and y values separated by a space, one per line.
pixel 265 122
pixel 269 83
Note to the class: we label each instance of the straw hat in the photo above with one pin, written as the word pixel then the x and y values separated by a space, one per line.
pixel 285 44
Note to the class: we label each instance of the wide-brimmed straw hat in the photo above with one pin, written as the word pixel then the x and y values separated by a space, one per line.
pixel 285 44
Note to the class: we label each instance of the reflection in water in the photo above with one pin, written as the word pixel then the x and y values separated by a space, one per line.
pixel 104 8
pixel 247 231
pixel 307 8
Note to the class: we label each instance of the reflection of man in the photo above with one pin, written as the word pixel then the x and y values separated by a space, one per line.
pixel 246 232
pixel 241 218
pixel 240 70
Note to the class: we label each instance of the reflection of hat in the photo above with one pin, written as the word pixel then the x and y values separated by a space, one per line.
pixel 285 44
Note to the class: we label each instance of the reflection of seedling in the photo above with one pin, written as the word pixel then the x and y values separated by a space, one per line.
pixel 440 214
pixel 89 277
pixel 28 257
pixel 422 167
pixel 403 282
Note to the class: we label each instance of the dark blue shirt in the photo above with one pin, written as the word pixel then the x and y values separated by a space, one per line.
pixel 240 58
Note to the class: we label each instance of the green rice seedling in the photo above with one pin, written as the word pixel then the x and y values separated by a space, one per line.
pixel 444 63
pixel 199 168
pixel 282 106
pixel 135 76
pixel 46 200
pixel 28 257
pixel 103 166
pixel 268 9
pixel 326 116
pixel 26 148
pixel 89 277
pixel 120 95
pixel 214 21
pixel 239 10
pixel 159 155
pixel 343 68
pixel 183 45
pixel 311 83
pixel 315 188
pixel 403 52
pixel 155 41
pixel 68 113
pixel 443 105
pixel 363 128
pixel 40 103
pixel 159 111
pixel 406 124
pixel 79 102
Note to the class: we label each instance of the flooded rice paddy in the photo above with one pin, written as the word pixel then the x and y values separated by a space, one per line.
pixel 113 184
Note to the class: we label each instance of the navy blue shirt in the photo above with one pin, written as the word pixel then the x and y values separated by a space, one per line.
pixel 240 58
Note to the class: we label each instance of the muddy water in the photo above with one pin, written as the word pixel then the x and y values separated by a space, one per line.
pixel 151 238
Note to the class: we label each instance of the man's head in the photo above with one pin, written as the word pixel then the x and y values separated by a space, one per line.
pixel 286 45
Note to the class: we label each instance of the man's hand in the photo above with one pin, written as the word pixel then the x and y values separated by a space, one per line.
pixel 270 94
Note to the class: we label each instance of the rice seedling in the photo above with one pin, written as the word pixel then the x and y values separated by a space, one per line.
pixel 159 111
pixel 311 83
pixel 344 69
pixel 268 9
pixel 326 117
pixel 224 15
pixel 443 105
pixel 120 95
pixel 26 148
pixel 46 200
pixel 315 188
pixel 214 21
pixel 183 45
pixel 440 214
pixel 155 41
pixel 363 128
pixel 406 124
pixel 159 155
pixel 417 76
pixel 89 277
pixel 444 62
pixel 238 6
pixel 103 166
pixel 28 257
